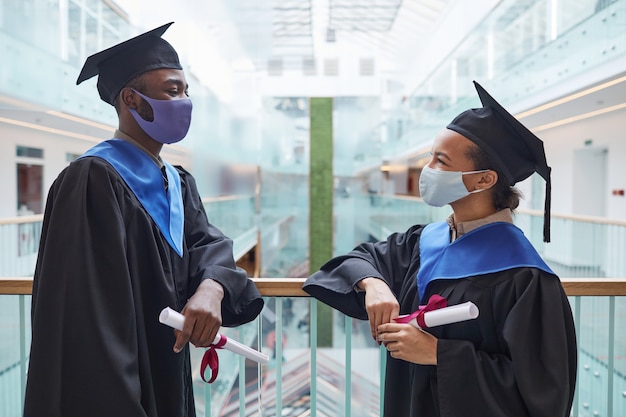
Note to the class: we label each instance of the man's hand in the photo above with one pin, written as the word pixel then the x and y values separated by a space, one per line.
pixel 380 303
pixel 203 316
pixel 409 343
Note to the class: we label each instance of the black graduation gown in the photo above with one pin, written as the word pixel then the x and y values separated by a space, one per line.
pixel 104 273
pixel 517 359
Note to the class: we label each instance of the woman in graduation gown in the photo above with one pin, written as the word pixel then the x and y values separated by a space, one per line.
pixel 518 358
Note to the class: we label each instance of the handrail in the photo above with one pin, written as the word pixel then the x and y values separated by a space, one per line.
pixel 222 198
pixel 208 200
pixel 32 218
pixel 575 217
pixel 292 287
pixel 536 213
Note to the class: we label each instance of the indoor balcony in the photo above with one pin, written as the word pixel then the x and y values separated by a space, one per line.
pixel 318 372
pixel 328 365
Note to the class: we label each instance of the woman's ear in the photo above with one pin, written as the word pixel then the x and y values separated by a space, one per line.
pixel 487 180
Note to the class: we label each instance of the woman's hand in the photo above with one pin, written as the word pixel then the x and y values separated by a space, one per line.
pixel 380 303
pixel 408 343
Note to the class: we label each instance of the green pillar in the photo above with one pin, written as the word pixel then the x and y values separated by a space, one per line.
pixel 321 201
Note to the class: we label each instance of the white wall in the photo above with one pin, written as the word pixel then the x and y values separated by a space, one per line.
pixel 55 148
pixel 54 159
pixel 608 131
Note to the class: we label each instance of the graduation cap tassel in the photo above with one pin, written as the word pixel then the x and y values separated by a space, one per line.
pixel 546 214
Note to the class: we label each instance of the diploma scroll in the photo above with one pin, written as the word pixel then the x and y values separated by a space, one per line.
pixel 441 316
pixel 176 320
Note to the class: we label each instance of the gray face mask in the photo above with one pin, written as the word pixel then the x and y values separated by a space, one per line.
pixel 439 188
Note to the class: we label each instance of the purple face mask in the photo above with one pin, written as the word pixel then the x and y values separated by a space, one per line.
pixel 171 119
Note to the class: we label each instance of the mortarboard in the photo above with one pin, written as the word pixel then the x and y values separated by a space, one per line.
pixel 515 149
pixel 119 64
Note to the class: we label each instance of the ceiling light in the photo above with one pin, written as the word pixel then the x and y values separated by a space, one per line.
pixel 80 120
pixel 579 117
pixel 50 130
pixel 570 97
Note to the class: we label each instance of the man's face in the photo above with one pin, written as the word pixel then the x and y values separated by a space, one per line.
pixel 162 84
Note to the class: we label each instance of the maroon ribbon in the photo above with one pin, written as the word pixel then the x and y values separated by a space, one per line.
pixel 434 302
pixel 211 359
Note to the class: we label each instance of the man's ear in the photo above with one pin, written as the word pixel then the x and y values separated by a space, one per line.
pixel 129 98
pixel 487 180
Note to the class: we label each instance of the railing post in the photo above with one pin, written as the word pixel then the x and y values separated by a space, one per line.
pixel 242 377
pixel 278 354
pixel 22 352
pixel 611 358
pixel 383 371
pixel 207 400
pixel 577 327
pixel 313 347
pixel 348 370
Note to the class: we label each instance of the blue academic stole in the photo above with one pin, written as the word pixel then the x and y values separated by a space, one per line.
pixel 494 247
pixel 145 179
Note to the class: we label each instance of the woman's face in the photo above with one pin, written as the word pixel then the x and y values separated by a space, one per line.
pixel 450 152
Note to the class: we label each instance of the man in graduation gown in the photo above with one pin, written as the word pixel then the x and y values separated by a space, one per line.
pixel 518 358
pixel 125 235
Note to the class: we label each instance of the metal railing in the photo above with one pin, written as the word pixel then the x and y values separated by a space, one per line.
pixel 304 376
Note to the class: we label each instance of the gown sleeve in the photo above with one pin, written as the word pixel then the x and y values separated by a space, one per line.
pixel 211 256
pixel 537 374
pixel 390 260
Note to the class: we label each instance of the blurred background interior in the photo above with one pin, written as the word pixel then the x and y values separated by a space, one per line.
pixel 312 121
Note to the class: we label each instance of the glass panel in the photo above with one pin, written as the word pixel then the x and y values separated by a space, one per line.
pixel 284 160
pixel 109 38
pixel 595 376
pixel 570 13
pixel 93 5
pixel 619 358
pixel 594 321
pixel 14 341
pixel 74 33
pixel 519 49
pixel 112 19
pixel 91 34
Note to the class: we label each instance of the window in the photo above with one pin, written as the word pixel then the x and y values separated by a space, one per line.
pixel 29 202
pixel 29 152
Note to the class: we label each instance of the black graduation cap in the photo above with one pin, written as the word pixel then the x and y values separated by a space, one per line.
pixel 117 65
pixel 515 149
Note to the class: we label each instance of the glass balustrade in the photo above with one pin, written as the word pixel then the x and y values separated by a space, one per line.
pixel 580 246
pixel 518 51
pixel 342 380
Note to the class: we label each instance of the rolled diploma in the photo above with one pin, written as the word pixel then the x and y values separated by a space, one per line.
pixel 176 320
pixel 448 315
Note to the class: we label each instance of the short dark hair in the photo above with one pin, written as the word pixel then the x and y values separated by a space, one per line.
pixel 504 195
pixel 138 83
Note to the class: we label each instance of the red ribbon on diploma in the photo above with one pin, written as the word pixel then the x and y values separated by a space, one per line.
pixel 434 302
pixel 211 359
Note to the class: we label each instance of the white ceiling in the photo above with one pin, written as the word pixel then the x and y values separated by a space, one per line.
pixel 251 34
pixel 292 30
